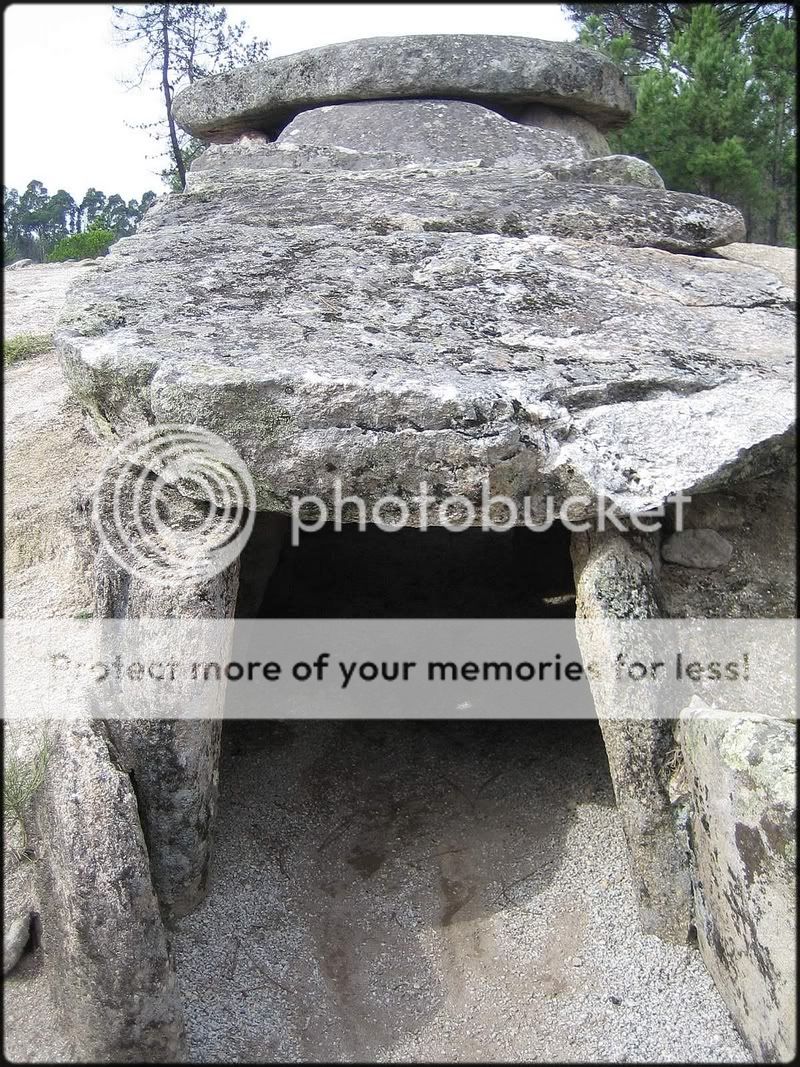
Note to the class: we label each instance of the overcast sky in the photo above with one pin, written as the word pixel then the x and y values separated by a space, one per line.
pixel 66 109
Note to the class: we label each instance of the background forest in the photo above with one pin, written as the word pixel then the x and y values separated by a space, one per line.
pixel 716 111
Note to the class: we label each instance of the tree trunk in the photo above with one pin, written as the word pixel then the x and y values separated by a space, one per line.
pixel 173 136
pixel 775 214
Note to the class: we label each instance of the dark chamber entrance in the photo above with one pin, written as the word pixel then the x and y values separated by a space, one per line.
pixel 423 574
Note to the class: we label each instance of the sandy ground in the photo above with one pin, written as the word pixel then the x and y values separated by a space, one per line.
pixel 431 892
pixel 33 296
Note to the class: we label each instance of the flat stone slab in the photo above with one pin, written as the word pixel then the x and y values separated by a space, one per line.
pixel 783 261
pixel 316 323
pixel 491 70
pixel 703 549
pixel 429 130
pixel 465 197
pixel 253 153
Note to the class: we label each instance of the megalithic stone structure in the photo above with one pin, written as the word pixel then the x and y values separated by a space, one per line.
pixel 414 259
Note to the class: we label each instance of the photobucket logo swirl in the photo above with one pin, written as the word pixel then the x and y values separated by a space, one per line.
pixel 175 503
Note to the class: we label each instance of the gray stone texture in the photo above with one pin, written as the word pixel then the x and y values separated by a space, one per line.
pixel 705 549
pixel 781 261
pixel 561 121
pixel 105 948
pixel 491 70
pixel 379 328
pixel 609 170
pixel 462 197
pixel 428 131
pixel 740 783
pixel 616 577
pixel 248 153
pixel 15 939
pixel 170 749
pixel 759 518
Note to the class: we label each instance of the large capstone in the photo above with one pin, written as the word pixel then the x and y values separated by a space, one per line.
pixel 497 71
pixel 446 324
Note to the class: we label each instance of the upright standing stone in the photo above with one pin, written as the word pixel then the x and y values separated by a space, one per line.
pixel 741 781
pixel 113 984
pixel 614 580
pixel 169 749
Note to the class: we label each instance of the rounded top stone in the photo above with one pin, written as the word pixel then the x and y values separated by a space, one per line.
pixel 505 72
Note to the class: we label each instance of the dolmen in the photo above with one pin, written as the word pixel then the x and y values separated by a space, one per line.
pixel 415 259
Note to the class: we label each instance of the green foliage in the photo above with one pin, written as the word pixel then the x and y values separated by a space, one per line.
pixel 691 128
pixel 35 222
pixel 651 26
pixel 715 101
pixel 25 345
pixel 593 34
pixel 94 242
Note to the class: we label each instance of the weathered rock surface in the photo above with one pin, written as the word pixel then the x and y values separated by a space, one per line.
pixel 33 299
pixel 104 944
pixel 46 572
pixel 781 261
pixel 169 747
pixel 609 170
pixel 15 938
pixel 428 131
pixel 561 121
pixel 485 69
pixel 458 198
pixel 705 549
pixel 759 519
pixel 616 578
pixel 357 344
pixel 250 153
pixel 740 781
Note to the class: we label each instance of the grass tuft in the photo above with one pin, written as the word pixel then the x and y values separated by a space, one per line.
pixel 25 345
pixel 21 780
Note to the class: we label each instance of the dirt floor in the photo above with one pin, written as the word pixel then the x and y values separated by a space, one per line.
pixel 431 892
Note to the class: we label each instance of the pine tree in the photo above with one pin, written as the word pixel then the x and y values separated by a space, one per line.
pixel 715 111
pixel 182 42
